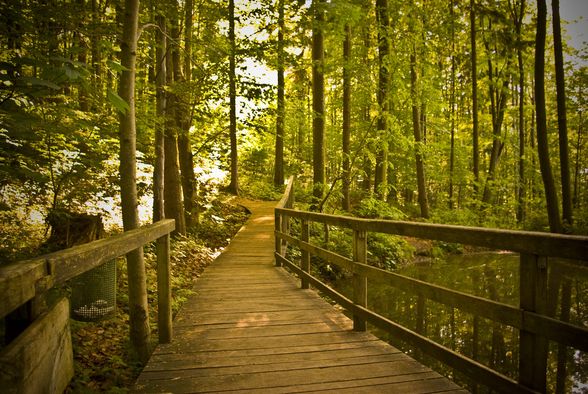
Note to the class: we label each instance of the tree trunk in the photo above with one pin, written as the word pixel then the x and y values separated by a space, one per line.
pixel 174 208
pixel 346 118
pixel 452 109
pixel 234 185
pixel 475 133
pixel 138 312
pixel 498 99
pixel 161 70
pixel 521 184
pixel 381 175
pixel 576 199
pixel 185 121
pixel 416 126
pixel 562 123
pixel 318 101
pixel 540 113
pixel 279 154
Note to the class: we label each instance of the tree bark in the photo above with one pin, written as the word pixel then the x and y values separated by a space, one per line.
pixel 452 109
pixel 475 133
pixel 138 309
pixel 185 121
pixel 498 99
pixel 381 173
pixel 416 126
pixel 234 185
pixel 521 184
pixel 279 154
pixel 161 71
pixel 174 208
pixel 346 118
pixel 540 113
pixel 562 123
pixel 318 101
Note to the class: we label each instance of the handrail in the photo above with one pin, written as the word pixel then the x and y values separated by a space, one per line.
pixel 530 318
pixel 287 200
pixel 22 281
pixel 573 247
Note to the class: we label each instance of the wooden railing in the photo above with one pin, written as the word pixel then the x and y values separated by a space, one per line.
pixel 23 285
pixel 530 318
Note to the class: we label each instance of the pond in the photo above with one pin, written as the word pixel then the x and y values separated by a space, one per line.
pixel 493 276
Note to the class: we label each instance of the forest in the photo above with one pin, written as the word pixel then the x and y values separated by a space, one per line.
pixel 433 111
pixel 440 111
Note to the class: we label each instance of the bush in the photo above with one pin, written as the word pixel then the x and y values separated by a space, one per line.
pixel 373 208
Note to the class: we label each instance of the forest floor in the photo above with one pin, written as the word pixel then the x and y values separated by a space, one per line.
pixel 103 358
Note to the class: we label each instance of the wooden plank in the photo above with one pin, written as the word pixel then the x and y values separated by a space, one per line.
pixel 232 358
pixel 40 360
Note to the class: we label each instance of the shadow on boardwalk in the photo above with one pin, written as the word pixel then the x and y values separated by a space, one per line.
pixel 250 328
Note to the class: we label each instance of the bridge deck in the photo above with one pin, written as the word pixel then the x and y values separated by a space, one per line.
pixel 250 328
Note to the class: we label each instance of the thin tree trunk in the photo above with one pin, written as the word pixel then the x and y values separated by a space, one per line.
pixel 279 154
pixel 452 104
pixel 475 133
pixel 172 192
pixel 381 174
pixel 576 200
pixel 318 101
pixel 421 184
pixel 521 184
pixel 160 79
pixel 234 185
pixel 562 124
pixel 346 118
pixel 540 113
pixel 185 120
pixel 138 308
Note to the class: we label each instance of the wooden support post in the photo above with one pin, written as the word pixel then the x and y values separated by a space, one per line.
pixel 305 260
pixel 533 298
pixel 286 230
pixel 359 281
pixel 278 242
pixel 164 311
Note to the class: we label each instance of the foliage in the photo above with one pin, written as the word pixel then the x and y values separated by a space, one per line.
pixel 372 208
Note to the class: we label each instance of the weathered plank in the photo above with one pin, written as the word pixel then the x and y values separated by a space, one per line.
pixel 40 360
pixel 250 328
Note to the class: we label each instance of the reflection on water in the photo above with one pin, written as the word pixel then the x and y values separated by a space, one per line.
pixel 493 276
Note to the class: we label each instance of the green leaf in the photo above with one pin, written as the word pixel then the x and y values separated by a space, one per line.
pixel 116 67
pixel 36 82
pixel 117 102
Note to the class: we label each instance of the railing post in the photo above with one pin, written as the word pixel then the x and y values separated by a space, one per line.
pixel 278 241
pixel 285 228
pixel 164 312
pixel 305 260
pixel 533 298
pixel 359 281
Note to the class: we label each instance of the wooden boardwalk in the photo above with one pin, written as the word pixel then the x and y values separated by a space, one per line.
pixel 250 328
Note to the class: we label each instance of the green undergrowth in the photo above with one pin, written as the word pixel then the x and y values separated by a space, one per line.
pixel 104 361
